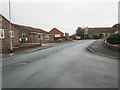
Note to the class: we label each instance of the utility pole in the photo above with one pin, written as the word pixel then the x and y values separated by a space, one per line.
pixel 11 44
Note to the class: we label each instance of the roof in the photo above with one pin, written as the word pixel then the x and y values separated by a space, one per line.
pixel 30 29
pixel 4 18
pixel 92 31
pixel 73 35
pixel 55 29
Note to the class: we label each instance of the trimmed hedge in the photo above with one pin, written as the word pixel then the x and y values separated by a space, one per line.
pixel 114 38
pixel 57 41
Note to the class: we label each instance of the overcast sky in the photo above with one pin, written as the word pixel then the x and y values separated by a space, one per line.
pixel 66 15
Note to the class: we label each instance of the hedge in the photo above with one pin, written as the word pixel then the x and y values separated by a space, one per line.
pixel 96 36
pixel 114 38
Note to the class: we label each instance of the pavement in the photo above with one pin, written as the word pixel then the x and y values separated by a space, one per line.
pixel 67 65
pixel 99 47
pixel 32 49
pixel 29 50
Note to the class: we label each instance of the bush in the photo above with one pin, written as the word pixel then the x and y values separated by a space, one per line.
pixel 86 37
pixel 56 41
pixel 114 38
pixel 96 36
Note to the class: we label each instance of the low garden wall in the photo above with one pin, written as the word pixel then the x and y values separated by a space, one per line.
pixel 111 46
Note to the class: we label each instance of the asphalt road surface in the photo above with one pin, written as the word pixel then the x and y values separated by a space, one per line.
pixel 68 65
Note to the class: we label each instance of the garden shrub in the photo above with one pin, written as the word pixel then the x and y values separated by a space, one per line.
pixel 114 38
pixel 96 36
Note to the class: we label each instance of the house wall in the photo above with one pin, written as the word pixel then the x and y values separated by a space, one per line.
pixel 47 38
pixel 0 39
pixel 58 35
pixel 0 21
pixel 37 39
pixel 6 40
pixel 55 32
pixel 18 31
pixel 33 38
pixel 94 31
pixel 32 35
pixel 23 31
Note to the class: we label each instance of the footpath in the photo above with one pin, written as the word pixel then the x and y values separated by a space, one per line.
pixel 29 50
pixel 33 49
pixel 99 47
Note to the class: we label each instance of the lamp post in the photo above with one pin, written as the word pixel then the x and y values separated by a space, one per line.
pixel 11 44
pixel 85 31
pixel 118 17
pixel 119 12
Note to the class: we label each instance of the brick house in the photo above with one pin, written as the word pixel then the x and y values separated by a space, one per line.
pixel 100 30
pixel 58 35
pixel 5 42
pixel 23 35
pixel 29 34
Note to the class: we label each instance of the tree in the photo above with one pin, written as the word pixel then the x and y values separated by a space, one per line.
pixel 80 32
pixel 66 34
pixel 117 27
pixel 96 36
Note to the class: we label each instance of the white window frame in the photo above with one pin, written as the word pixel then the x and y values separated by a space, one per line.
pixel 2 34
pixel 57 35
pixel 11 33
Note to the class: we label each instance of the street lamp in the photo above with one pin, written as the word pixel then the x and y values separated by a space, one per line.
pixel 11 45
pixel 85 31
pixel 119 12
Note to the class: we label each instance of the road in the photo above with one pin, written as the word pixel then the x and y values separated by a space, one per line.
pixel 68 65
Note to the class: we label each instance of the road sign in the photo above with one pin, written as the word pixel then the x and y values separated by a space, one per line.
pixel 2 33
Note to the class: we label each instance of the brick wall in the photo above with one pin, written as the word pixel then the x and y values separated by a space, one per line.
pixel 0 39
pixel 55 31
pixel 6 40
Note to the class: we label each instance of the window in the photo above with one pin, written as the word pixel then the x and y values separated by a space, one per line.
pixel 23 35
pixel 42 37
pixel 47 37
pixel 39 36
pixel 1 33
pixel 11 33
pixel 57 35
